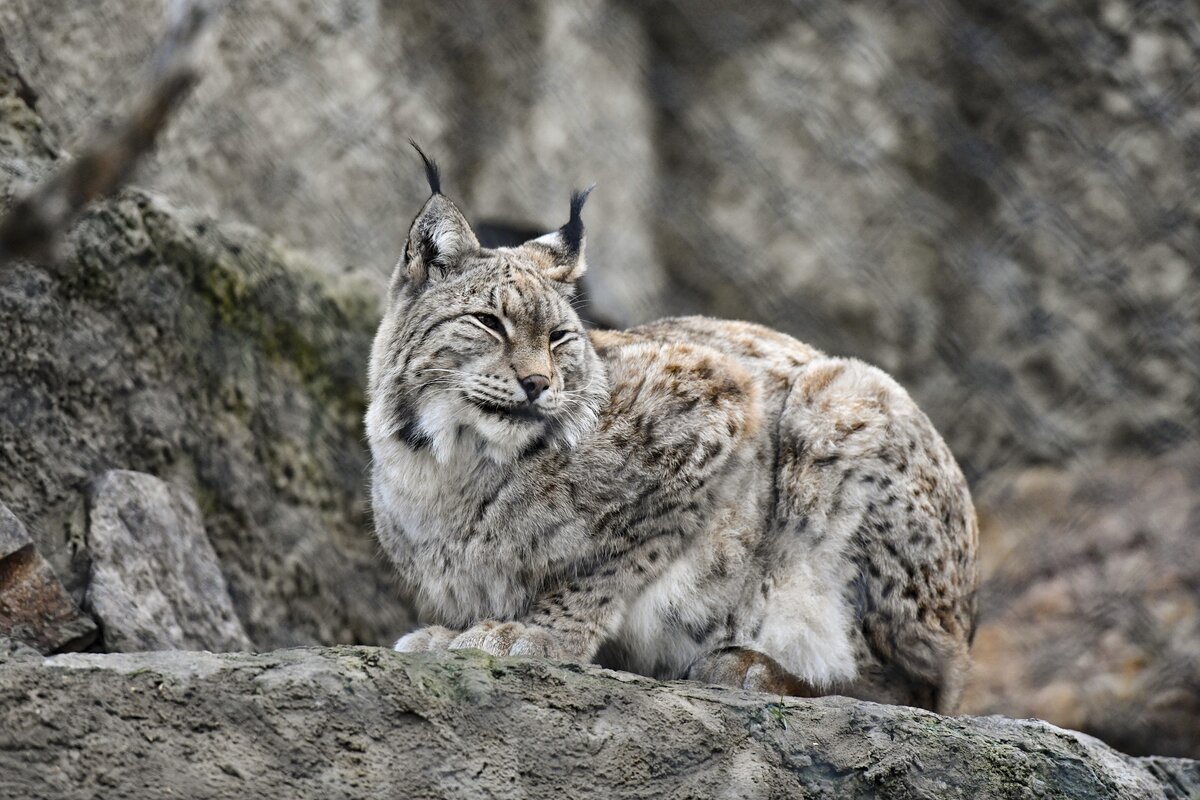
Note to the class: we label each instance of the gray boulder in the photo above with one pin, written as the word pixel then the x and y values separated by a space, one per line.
pixel 301 126
pixel 363 722
pixel 155 582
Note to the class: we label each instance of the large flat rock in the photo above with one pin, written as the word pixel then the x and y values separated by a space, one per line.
pixel 365 722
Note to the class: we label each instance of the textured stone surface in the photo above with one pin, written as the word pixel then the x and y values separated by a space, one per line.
pixel 159 345
pixel 13 650
pixel 35 608
pixel 154 582
pixel 1090 606
pixel 994 201
pixel 13 536
pixel 363 722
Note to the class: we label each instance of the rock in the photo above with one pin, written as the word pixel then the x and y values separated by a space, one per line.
pixel 1089 614
pixel 209 356
pixel 13 536
pixel 35 609
pixel 155 583
pixel 363 722
pixel 14 650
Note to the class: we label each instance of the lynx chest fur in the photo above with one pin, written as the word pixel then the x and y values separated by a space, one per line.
pixel 692 498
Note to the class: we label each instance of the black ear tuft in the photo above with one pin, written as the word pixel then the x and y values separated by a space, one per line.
pixel 564 247
pixel 572 232
pixel 432 173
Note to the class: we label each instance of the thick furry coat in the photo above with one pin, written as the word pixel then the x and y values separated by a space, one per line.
pixel 691 498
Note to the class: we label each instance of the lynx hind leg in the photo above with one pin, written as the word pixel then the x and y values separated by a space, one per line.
pixel 954 681
pixel 748 669
pixel 869 478
pixel 947 675
pixel 917 666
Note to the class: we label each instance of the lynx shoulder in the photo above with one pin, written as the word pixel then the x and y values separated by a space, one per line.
pixel 693 498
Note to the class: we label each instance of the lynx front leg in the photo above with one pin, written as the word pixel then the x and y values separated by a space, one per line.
pixel 568 623
pixel 497 638
pixel 748 669
pixel 517 639
pixel 422 640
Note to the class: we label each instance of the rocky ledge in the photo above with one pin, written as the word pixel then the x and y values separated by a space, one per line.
pixel 366 722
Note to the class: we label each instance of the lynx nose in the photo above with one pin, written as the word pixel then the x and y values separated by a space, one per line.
pixel 534 385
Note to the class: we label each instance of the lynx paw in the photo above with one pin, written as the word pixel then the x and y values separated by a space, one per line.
pixel 511 639
pixel 423 640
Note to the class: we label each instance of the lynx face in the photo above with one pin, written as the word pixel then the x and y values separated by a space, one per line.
pixel 481 349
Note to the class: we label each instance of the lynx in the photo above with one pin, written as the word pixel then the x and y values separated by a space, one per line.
pixel 692 498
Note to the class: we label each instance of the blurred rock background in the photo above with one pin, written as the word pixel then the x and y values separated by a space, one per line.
pixel 998 202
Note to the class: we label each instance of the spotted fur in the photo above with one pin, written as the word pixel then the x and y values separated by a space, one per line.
pixel 691 498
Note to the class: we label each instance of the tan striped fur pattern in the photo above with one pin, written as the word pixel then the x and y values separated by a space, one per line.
pixel 691 498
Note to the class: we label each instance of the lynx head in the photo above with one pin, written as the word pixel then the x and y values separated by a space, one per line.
pixel 482 348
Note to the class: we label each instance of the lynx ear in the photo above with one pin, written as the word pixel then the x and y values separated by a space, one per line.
pixel 440 237
pixel 565 245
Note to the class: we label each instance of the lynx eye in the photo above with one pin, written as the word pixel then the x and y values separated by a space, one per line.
pixel 490 321
pixel 559 335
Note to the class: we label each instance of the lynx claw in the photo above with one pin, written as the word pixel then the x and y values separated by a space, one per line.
pixel 433 638
pixel 510 639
